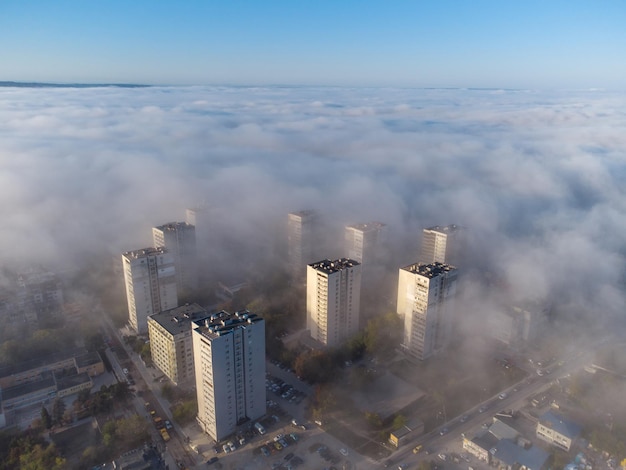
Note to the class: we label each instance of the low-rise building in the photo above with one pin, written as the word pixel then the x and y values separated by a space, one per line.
pixel 480 445
pixel 507 455
pixel 31 370
pixel 557 431
pixel 171 345
pixel 73 384
pixel 406 433
pixel 31 393
pixel 90 364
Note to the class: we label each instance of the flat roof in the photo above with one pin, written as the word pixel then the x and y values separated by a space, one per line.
pixel 218 324
pixel 177 320
pixel 444 229
pixel 70 381
pixel 171 226
pixel 510 453
pixel 485 441
pixel 47 381
pixel 303 213
pixel 367 226
pixel 559 424
pixel 42 361
pixel 145 252
pixel 429 270
pixel 327 266
pixel 88 359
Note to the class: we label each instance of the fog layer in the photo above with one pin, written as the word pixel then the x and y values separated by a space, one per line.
pixel 537 177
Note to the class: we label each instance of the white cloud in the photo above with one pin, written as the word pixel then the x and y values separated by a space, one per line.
pixel 537 177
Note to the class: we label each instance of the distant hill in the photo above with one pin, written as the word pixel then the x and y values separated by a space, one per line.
pixel 69 85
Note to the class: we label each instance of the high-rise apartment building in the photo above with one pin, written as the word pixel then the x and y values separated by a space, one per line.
pixel 363 241
pixel 229 355
pixel 171 347
pixel 517 325
pixel 180 240
pixel 425 296
pixel 300 240
pixel 150 277
pixel 200 217
pixel 441 244
pixel 333 300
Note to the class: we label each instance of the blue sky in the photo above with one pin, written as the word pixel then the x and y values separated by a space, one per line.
pixel 529 44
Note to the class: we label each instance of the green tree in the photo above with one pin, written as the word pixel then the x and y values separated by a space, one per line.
pixel 185 412
pixel 399 421
pixel 58 408
pixel 40 458
pixel 373 419
pixel 168 392
pixel 46 420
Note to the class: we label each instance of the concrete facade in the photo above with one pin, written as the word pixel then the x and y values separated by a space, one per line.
pixel 333 300
pixel 229 352
pixel 150 277
pixel 179 238
pixel 425 296
pixel 171 346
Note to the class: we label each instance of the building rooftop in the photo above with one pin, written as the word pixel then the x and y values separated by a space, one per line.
pixel 171 226
pixel 221 323
pixel 485 441
pixel 367 227
pixel 145 252
pixel 88 359
pixel 447 229
pixel 502 430
pixel 304 213
pixel 511 454
pixel 35 363
pixel 46 381
pixel 559 424
pixel 70 381
pixel 429 270
pixel 327 266
pixel 178 320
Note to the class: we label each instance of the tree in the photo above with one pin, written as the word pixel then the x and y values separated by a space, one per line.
pixel 399 421
pixel 185 412
pixel 58 408
pixel 46 420
pixel 373 419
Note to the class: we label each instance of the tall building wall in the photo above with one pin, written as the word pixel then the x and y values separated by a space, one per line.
pixel 170 341
pixel 150 278
pixel 301 241
pixel 363 241
pixel 180 240
pixel 425 296
pixel 441 244
pixel 333 300
pixel 229 352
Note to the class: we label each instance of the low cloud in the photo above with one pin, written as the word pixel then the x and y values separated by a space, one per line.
pixel 536 177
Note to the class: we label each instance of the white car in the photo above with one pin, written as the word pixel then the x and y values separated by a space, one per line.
pixel 125 371
pixel 344 452
pixel 502 396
